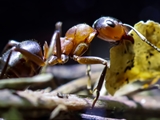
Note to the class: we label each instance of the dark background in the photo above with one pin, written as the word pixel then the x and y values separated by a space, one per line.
pixel 34 19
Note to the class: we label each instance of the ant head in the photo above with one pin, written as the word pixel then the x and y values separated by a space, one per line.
pixel 109 29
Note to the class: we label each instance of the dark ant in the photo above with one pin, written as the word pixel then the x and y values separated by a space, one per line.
pixel 21 60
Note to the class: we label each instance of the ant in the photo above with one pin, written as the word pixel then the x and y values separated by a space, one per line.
pixel 121 55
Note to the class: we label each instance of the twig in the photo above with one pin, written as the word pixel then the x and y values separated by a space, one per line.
pixel 72 71
pixel 37 104
pixel 94 117
pixel 78 84
pixel 22 83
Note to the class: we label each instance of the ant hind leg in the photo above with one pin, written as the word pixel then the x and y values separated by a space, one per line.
pixel 146 87
pixel 5 65
pixel 88 72
pixel 9 45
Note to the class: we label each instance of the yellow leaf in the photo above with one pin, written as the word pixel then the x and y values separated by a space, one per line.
pixel 130 62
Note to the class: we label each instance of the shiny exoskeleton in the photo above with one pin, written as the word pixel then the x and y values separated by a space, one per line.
pixel 109 29
pixel 73 45
pixel 113 30
pixel 19 64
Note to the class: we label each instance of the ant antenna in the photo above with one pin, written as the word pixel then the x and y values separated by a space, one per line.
pixel 142 37
pixel 58 27
pixel 55 36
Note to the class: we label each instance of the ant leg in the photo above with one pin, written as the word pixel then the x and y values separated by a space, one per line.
pixel 10 44
pixel 58 47
pixel 99 86
pixel 55 41
pixel 88 72
pixel 89 60
pixel 33 71
pixel 58 27
pixel 48 50
pixel 5 65
pixel 154 81
pixel 58 41
pixel 151 83
pixel 59 57
pixel 148 86
pixel 57 33
pixel 45 49
pixel 27 54
pixel 30 56
pixel 94 60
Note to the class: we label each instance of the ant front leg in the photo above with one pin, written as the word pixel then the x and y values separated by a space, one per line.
pixel 152 84
pixel 88 72
pixel 94 60
pixel 99 86
pixel 89 60
pixel 59 57
pixel 55 40
pixel 53 54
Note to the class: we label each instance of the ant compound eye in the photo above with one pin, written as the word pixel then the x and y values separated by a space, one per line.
pixel 110 23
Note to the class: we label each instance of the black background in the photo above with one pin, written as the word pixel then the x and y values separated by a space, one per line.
pixel 34 19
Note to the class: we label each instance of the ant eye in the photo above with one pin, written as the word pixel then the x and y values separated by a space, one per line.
pixel 110 23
